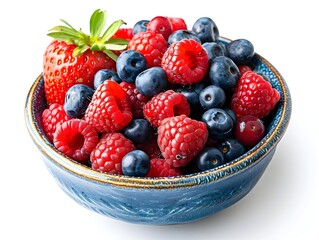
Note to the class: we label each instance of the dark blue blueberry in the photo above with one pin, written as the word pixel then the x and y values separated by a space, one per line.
pixel 139 131
pixel 219 123
pixel 212 97
pixel 140 26
pixel 231 114
pixel 182 34
pixel 129 64
pixel 209 158
pixel 231 148
pixel 213 50
pixel 105 74
pixel 241 51
pixel 151 81
pixel 224 73
pixel 206 29
pixel 191 92
pixel 77 100
pixel 135 163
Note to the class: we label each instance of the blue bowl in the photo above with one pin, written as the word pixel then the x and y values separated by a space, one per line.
pixel 161 201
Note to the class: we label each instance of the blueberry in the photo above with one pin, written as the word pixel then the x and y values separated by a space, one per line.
pixel 140 26
pixel 224 73
pixel 241 51
pixel 105 74
pixel 219 123
pixel 206 29
pixel 77 100
pixel 135 163
pixel 212 97
pixel 209 158
pixel 151 81
pixel 213 50
pixel 231 114
pixel 139 131
pixel 129 64
pixel 231 148
pixel 182 34
pixel 191 92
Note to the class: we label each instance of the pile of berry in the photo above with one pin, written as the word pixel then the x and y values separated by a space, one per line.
pixel 154 100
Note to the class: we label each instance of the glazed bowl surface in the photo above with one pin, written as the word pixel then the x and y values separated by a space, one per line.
pixel 159 201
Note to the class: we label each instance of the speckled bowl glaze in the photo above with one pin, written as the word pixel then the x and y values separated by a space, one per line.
pixel 163 200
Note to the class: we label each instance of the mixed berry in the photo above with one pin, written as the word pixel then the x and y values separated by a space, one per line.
pixel 155 100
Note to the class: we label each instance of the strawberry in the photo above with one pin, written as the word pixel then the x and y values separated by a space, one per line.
pixel 74 57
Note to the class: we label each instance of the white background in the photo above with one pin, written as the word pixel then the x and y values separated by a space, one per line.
pixel 283 205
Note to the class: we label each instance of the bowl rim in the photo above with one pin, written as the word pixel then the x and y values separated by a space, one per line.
pixel 253 156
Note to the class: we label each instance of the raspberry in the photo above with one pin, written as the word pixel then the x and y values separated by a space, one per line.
pixel 76 139
pixel 137 99
pixel 160 168
pixel 51 117
pixel 165 104
pixel 108 153
pixel 150 148
pixel 185 62
pixel 109 109
pixel 243 69
pixel 180 139
pixel 253 96
pixel 151 45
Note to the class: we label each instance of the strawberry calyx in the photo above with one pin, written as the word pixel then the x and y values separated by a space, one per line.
pixel 97 40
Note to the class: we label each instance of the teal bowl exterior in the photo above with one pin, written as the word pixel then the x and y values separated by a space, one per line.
pixel 161 201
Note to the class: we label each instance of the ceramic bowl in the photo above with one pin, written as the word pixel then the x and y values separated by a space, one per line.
pixel 161 200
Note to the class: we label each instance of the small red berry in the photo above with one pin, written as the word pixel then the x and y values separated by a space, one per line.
pixel 76 139
pixel 51 117
pixel 165 104
pixel 124 33
pixel 243 69
pixel 185 62
pixel 253 95
pixel 109 109
pixel 177 23
pixel 108 153
pixel 160 168
pixel 151 45
pixel 160 25
pixel 249 130
pixel 136 98
pixel 180 139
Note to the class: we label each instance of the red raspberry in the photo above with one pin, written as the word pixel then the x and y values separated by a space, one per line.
pixel 180 139
pixel 51 117
pixel 165 104
pixel 76 139
pixel 150 148
pixel 177 23
pixel 253 95
pixel 151 45
pixel 108 153
pixel 124 33
pixel 160 168
pixel 243 69
pixel 109 109
pixel 160 25
pixel 136 98
pixel 185 62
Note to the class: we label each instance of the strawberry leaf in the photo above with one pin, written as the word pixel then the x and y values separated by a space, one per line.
pixel 112 29
pixel 97 23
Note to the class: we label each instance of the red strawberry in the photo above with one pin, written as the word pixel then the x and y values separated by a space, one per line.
pixel 180 139
pixel 254 95
pixel 74 57
pixel 108 153
pixel 160 168
pixel 151 45
pixel 76 139
pixel 165 104
pixel 185 62
pixel 51 117
pixel 109 109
